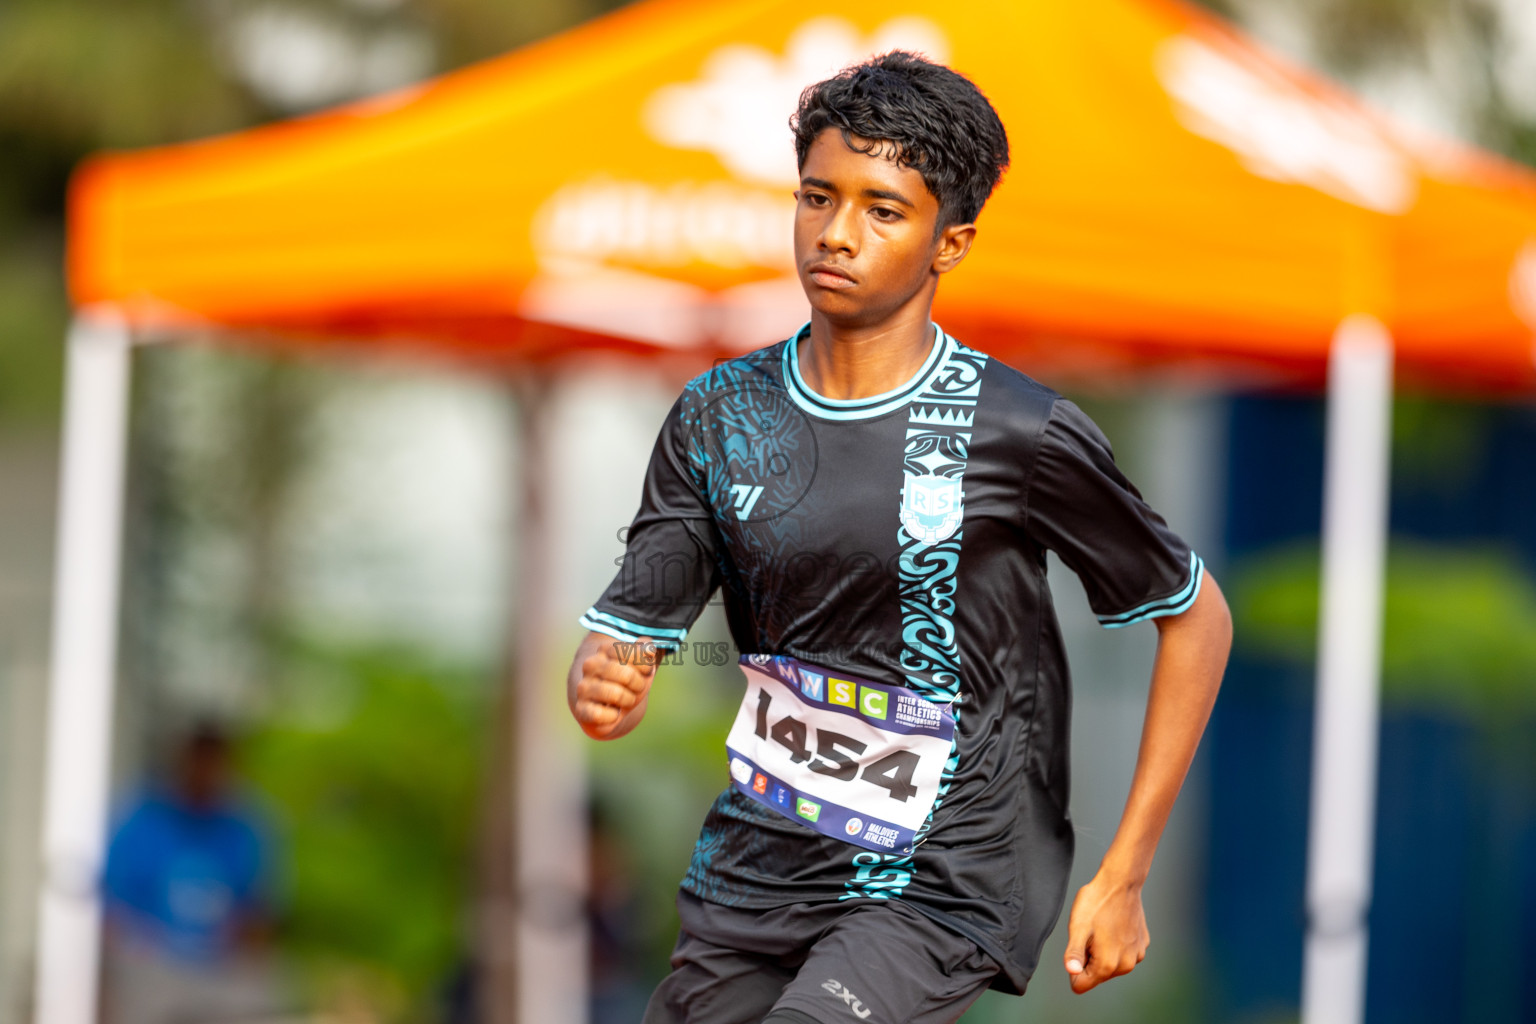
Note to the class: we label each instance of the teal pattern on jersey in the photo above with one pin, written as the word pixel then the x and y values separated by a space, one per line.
pixel 939 422
pixel 751 453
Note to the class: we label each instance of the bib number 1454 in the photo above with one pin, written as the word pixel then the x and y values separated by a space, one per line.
pixel 854 759
pixel 836 755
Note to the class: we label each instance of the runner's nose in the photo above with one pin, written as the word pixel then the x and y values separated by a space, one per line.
pixel 838 235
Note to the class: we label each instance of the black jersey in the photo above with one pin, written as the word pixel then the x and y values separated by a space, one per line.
pixel 900 539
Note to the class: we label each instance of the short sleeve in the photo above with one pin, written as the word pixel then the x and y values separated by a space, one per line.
pixel 669 570
pixel 1081 506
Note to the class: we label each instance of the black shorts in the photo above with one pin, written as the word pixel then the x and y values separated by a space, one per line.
pixel 872 961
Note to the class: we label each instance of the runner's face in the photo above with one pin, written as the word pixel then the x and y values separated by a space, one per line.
pixel 864 234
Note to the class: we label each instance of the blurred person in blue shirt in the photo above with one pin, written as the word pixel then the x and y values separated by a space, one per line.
pixel 187 898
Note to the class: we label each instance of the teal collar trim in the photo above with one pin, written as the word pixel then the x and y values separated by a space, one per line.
pixel 861 408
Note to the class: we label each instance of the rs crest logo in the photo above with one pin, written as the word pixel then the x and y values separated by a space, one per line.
pixel 745 497
pixel 931 506
pixel 836 988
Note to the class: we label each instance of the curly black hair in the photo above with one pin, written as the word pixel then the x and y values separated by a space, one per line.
pixel 937 121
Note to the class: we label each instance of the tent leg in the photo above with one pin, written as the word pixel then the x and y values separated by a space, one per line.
pixel 84 655
pixel 550 812
pixel 1341 829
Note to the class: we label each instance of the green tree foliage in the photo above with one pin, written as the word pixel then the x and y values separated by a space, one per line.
pixel 33 319
pixel 1456 46
pixel 666 774
pixel 470 30
pixel 1459 633
pixel 1355 35
pixel 1459 630
pixel 78 76
pixel 372 766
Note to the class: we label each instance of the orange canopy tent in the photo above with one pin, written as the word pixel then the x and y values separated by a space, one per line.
pixel 1175 191
pixel 1176 194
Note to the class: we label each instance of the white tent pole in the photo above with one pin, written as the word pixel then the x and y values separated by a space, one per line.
pixel 84 655
pixel 1341 831
pixel 551 780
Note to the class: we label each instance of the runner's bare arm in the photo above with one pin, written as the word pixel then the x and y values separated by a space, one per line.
pixel 609 683
pixel 1107 931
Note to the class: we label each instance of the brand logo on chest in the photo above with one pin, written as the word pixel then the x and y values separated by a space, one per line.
pixel 756 453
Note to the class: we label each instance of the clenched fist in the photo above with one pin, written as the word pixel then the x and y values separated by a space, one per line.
pixel 1107 932
pixel 608 684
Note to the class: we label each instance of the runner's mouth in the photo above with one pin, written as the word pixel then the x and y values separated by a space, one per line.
pixel 828 276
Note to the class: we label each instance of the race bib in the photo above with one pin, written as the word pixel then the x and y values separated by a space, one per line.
pixel 855 760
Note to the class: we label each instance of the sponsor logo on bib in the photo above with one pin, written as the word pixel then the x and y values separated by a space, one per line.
pixel 872 702
pixel 882 835
pixel 853 826
pixel 843 692
pixel 810 810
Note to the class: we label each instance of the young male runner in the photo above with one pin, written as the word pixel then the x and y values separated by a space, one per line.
pixel 875 499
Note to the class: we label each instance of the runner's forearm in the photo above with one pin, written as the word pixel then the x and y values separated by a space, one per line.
pixel 1191 656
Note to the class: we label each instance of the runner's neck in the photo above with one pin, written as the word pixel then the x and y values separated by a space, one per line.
pixel 844 365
